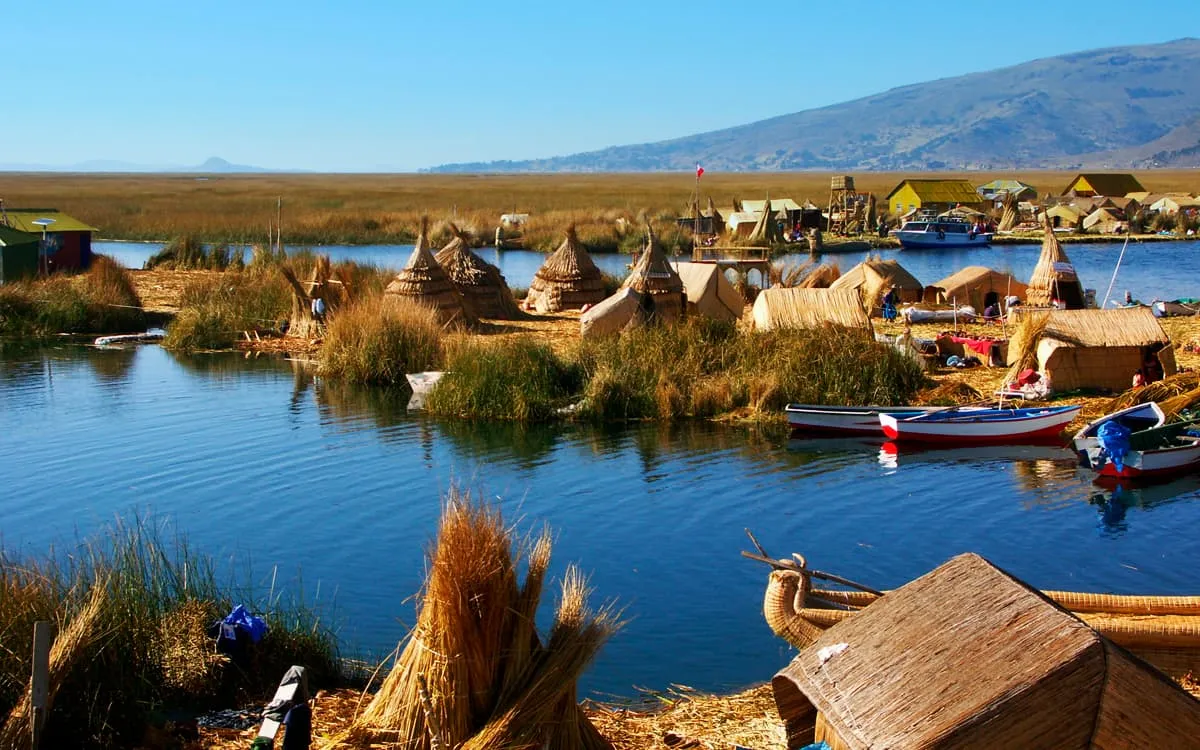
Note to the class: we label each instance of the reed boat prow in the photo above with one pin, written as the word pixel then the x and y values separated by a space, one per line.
pixel 1163 630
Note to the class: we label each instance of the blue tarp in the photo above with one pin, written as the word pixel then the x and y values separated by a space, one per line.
pixel 254 626
pixel 1113 438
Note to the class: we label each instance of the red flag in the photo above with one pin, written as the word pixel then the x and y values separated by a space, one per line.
pixel 699 171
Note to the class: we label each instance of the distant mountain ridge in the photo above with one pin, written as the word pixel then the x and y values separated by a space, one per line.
pixel 212 165
pixel 1120 107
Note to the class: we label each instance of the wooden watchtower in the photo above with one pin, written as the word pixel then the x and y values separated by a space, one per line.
pixel 843 203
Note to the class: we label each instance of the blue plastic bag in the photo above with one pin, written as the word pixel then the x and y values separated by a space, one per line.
pixel 254 626
pixel 1113 438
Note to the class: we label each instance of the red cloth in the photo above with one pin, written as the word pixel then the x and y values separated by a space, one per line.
pixel 699 171
pixel 1027 376
pixel 980 346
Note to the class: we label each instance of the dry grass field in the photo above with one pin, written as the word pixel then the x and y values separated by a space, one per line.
pixel 370 208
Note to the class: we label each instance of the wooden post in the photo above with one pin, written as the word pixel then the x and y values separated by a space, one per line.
pixel 39 684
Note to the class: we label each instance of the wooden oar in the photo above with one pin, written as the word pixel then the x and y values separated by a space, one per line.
pixel 783 565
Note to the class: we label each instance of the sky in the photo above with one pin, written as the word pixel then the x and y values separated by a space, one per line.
pixel 360 85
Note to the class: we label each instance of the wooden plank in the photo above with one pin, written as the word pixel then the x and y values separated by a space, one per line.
pixel 40 681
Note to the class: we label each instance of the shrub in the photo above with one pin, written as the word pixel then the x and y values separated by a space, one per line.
pixel 113 301
pixel 378 340
pixel 515 379
pixel 103 300
pixel 215 311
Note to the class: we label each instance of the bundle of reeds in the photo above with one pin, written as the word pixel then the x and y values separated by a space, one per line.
pixel 821 276
pixel 1024 342
pixel 950 393
pixel 474 673
pixel 72 642
pixel 1159 391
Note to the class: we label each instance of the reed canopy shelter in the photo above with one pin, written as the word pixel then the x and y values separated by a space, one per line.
pixel 653 275
pixel 873 278
pixel 709 292
pixel 1099 349
pixel 424 281
pixel 969 657
pixel 978 286
pixel 795 307
pixel 484 292
pixel 1054 278
pixel 567 280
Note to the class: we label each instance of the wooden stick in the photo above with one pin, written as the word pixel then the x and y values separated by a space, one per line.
pixel 782 565
pixel 757 546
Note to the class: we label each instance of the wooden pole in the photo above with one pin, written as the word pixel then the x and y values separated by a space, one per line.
pixel 39 683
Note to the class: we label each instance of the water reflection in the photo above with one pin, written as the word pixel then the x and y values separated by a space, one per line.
pixel 1114 498
pixel 112 363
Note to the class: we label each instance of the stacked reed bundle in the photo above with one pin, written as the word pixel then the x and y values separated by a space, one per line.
pixel 321 284
pixel 821 276
pixel 1022 346
pixel 1159 391
pixel 1011 214
pixel 426 282
pixel 567 280
pixel 484 292
pixel 70 644
pixel 474 673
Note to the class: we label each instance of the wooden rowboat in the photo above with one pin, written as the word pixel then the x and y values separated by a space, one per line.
pixel 980 425
pixel 1163 630
pixel 844 420
pixel 1156 452
pixel 1137 417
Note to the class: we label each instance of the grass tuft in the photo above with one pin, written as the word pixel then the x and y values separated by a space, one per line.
pixel 377 340
pixel 514 380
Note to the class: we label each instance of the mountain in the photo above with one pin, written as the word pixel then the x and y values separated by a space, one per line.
pixel 217 165
pixel 213 165
pixel 1119 107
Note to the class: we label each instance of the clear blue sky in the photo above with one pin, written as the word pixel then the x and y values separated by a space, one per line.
pixel 358 85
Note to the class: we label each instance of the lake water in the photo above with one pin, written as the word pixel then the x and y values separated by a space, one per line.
pixel 262 466
pixel 1149 270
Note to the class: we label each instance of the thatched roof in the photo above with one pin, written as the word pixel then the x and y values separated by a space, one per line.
pixel 485 293
pixel 1054 277
pixel 968 656
pixel 1104 184
pixel 568 279
pixel 941 191
pixel 873 278
pixel 653 272
pixel 971 284
pixel 821 276
pixel 1123 326
pixel 426 282
pixel 709 293
pixel 780 307
pixel 766 229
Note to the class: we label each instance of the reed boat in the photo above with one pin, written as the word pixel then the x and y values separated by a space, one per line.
pixel 1163 630
pixel 979 425
pixel 844 420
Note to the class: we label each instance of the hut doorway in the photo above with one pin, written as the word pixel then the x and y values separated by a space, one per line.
pixel 991 298
pixel 1152 366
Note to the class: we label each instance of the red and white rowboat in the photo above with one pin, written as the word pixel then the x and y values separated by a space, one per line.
pixel 1156 452
pixel 980 425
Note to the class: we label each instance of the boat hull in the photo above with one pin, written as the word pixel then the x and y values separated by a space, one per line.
pixel 967 429
pixel 841 420
pixel 1148 464
pixel 1136 417
pixel 931 241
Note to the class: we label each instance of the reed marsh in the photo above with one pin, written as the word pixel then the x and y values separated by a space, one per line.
pixel 386 208
pixel 102 300
pixel 132 606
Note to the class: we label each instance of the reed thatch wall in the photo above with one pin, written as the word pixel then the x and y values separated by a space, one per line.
pixel 567 280
pixel 873 278
pixel 971 285
pixel 809 308
pixel 1054 277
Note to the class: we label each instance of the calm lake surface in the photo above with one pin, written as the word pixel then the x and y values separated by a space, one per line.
pixel 1150 270
pixel 267 469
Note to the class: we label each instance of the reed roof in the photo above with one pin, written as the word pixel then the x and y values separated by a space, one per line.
pixel 1054 277
pixel 482 286
pixel 967 281
pixel 423 280
pixel 653 273
pixel 966 655
pixel 1123 326
pixel 1107 184
pixel 874 275
pixel 941 191
pixel 568 278
pixel 793 307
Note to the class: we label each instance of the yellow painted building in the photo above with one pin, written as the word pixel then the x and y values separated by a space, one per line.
pixel 1089 184
pixel 936 195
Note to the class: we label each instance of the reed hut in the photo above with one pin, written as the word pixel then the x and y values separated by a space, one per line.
pixel 873 278
pixel 968 656
pixel 1065 215
pixel 979 287
pixel 1098 349
pixel 766 228
pixel 795 307
pixel 484 292
pixel 1105 220
pixel 709 292
pixel 1054 277
pixel 424 281
pixel 567 280
pixel 653 275
pixel 614 314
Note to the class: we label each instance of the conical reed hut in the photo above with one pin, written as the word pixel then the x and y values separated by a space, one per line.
pixel 653 275
pixel 1011 215
pixel 424 281
pixel 766 229
pixel 1054 277
pixel 567 280
pixel 484 292
pixel 474 672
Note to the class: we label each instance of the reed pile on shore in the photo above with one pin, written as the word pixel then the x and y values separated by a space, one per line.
pixel 475 673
